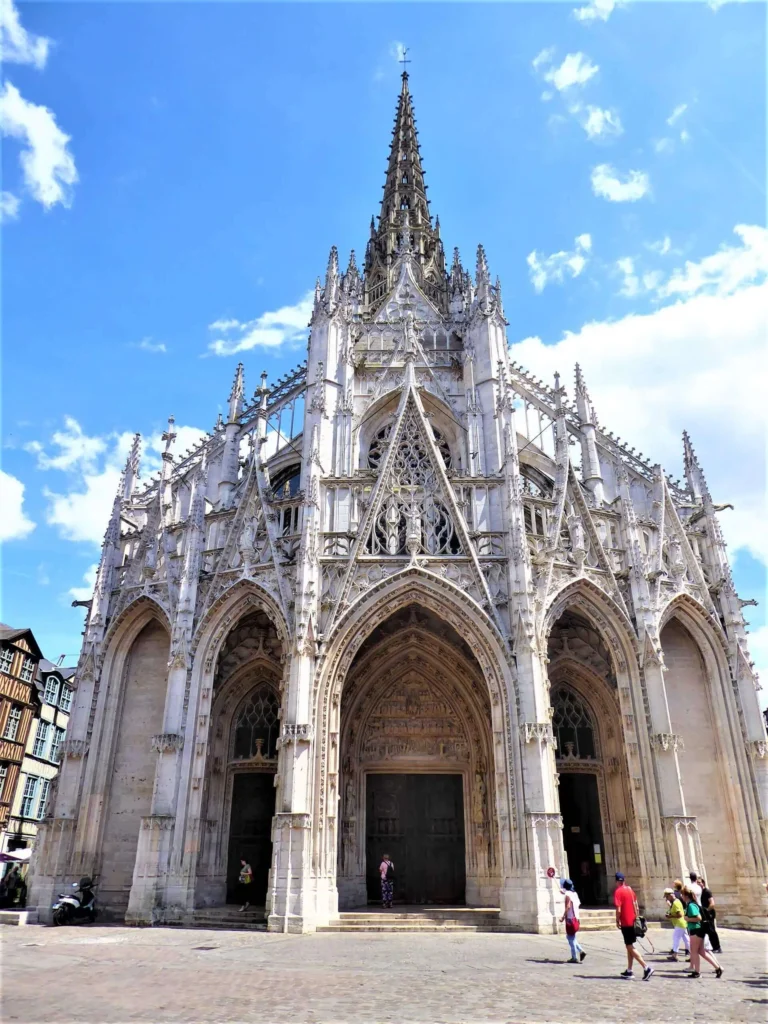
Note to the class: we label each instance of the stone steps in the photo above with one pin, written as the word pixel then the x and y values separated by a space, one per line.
pixel 230 919
pixel 449 919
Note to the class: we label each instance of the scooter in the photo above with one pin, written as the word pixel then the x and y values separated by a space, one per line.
pixel 76 907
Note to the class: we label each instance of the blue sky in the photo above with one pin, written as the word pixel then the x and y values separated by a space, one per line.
pixel 167 167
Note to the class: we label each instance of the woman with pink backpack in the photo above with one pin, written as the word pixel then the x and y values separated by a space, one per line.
pixel 571 918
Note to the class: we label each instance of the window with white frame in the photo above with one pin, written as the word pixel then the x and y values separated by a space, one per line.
pixel 29 799
pixel 41 739
pixel 12 725
pixel 3 777
pixel 6 660
pixel 65 701
pixel 45 785
pixel 51 690
pixel 27 670
pixel 56 740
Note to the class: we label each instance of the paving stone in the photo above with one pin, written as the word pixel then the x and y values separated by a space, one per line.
pixel 112 975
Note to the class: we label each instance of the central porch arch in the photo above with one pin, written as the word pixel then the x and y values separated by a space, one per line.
pixel 471 684
pixel 415 749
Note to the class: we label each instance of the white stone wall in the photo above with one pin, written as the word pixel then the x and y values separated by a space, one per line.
pixel 133 771
pixel 701 763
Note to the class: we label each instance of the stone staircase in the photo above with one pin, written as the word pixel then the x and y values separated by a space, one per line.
pixel 229 917
pixel 417 919
pixel 447 919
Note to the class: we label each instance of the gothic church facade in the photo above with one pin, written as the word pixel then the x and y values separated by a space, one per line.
pixel 410 599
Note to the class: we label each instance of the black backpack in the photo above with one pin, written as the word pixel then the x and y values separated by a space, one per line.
pixel 390 872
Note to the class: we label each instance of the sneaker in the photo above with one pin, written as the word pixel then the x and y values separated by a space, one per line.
pixel 647 973
pixel 571 961
pixel 694 974
pixel 626 974
pixel 719 972
pixel 672 957
pixel 582 954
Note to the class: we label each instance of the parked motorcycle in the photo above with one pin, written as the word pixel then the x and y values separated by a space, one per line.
pixel 76 907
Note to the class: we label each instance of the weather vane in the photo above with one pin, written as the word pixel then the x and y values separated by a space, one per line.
pixel 404 60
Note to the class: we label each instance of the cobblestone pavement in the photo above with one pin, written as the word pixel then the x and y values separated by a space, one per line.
pixel 110 975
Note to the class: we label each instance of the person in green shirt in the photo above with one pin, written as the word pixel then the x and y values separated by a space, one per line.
pixel 676 915
pixel 696 935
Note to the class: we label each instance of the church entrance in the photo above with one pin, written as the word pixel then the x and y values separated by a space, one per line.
pixel 253 806
pixel 416 777
pixel 419 821
pixel 583 836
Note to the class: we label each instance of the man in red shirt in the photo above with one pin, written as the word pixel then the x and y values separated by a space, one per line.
pixel 627 913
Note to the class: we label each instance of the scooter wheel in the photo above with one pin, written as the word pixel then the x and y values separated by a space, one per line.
pixel 59 916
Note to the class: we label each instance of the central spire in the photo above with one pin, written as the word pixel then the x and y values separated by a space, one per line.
pixel 405 213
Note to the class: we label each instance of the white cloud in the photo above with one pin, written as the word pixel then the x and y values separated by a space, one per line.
pixel 76 449
pixel 17 46
pixel 697 363
pixel 575 70
pixel 665 145
pixel 93 466
pixel 85 592
pixel 725 271
pixel 608 184
pixel 596 10
pixel 662 247
pixel 601 124
pixel 631 286
pixel 151 346
pixel 543 57
pixel 677 113
pixel 286 326
pixel 14 523
pixel 223 325
pixel 48 166
pixel 9 206
pixel 544 270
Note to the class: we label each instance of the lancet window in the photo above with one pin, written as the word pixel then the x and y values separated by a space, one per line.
pixel 573 726
pixel 412 519
pixel 256 726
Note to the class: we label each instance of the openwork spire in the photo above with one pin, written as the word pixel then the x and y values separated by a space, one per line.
pixel 405 211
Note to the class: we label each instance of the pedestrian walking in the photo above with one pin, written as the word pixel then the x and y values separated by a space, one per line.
pixel 676 916
pixel 694 886
pixel 387 872
pixel 572 923
pixel 709 916
pixel 695 933
pixel 245 880
pixel 627 914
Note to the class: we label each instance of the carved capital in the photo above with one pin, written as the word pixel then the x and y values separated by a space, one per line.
pixel 167 741
pixel 667 741
pixel 158 822
pixel 74 748
pixel 289 819
pixel 758 748
pixel 541 731
pixel 297 733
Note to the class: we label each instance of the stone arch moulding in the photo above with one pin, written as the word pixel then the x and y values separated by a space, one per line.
pixel 452 606
pixel 731 733
pixel 144 602
pixel 604 614
pixel 610 762
pixel 384 410
pixel 236 602
pixel 597 607
pixel 104 720
pixel 227 609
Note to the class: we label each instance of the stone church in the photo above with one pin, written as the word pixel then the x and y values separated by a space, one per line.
pixel 410 599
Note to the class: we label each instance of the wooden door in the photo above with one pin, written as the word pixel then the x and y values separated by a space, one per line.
pixel 419 821
pixel 250 832
pixel 583 836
